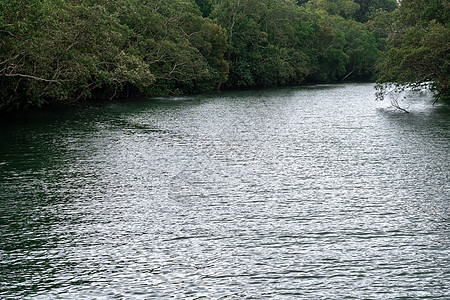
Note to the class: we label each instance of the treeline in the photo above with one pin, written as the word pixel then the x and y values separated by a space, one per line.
pixel 68 50
pixel 417 54
pixel 71 50
pixel 282 42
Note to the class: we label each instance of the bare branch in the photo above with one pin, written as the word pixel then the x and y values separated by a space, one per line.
pixel 350 73
pixel 9 59
pixel 75 39
pixel 32 77
pixel 10 33
pixel 174 67
pixel 190 34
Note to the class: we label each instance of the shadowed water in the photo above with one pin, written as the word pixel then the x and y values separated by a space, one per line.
pixel 299 193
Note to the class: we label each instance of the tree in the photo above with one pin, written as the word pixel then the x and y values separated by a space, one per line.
pixel 67 50
pixel 183 50
pixel 367 7
pixel 344 8
pixel 70 50
pixel 417 53
pixel 361 47
pixel 205 7
pixel 54 50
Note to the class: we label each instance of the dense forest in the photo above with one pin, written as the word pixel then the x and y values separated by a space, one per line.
pixel 72 50
pixel 417 54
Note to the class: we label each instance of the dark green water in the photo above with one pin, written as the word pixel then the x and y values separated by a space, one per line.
pixel 302 193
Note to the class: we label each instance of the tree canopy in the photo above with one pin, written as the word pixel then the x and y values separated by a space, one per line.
pixel 73 50
pixel 67 50
pixel 418 48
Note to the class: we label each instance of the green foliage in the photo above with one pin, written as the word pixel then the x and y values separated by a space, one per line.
pixel 205 7
pixel 359 10
pixel 368 7
pixel 344 8
pixel 360 46
pixel 56 50
pixel 59 51
pixel 279 42
pixel 71 50
pixel 184 52
pixel 268 41
pixel 417 53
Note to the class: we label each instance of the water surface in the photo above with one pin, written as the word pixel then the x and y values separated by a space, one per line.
pixel 297 193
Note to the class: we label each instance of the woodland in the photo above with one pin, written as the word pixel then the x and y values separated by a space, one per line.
pixel 66 51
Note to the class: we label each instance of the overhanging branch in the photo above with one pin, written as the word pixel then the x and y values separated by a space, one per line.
pixel 32 77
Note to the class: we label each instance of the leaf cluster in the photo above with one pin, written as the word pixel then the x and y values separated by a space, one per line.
pixel 68 50
pixel 72 50
pixel 282 42
pixel 418 47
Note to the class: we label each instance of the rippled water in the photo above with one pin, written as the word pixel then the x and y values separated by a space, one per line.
pixel 299 193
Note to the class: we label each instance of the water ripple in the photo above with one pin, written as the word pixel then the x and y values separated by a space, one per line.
pixel 302 193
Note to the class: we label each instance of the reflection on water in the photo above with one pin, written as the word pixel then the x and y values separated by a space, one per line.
pixel 302 193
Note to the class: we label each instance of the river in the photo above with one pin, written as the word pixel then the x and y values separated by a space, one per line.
pixel 316 192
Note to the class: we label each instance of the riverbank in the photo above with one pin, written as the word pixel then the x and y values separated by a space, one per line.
pixel 83 51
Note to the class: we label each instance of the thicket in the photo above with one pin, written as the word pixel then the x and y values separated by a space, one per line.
pixel 72 50
pixel 417 53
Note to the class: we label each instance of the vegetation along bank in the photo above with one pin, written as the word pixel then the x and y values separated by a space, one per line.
pixel 59 51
